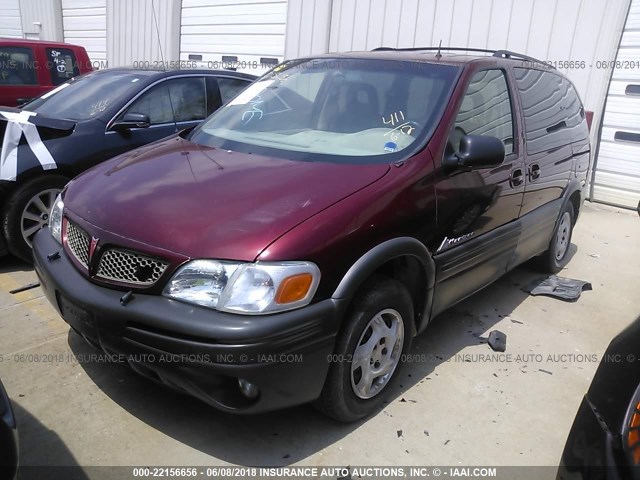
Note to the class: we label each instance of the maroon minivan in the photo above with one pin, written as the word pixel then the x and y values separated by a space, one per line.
pixel 289 248
pixel 30 68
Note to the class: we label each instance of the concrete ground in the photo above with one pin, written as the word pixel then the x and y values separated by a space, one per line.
pixel 446 411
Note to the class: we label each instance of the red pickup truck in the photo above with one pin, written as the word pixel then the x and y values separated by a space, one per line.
pixel 30 68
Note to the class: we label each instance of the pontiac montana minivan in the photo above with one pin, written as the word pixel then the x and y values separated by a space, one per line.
pixel 289 248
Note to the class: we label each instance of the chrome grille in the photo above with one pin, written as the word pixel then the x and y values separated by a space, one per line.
pixel 78 243
pixel 129 267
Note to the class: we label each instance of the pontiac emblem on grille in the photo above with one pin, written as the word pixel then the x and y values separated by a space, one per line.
pixel 92 247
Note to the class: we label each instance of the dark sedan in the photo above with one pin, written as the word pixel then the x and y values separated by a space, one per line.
pixel 88 120
pixel 8 438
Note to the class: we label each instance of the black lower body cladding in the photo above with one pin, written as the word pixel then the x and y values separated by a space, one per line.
pixel 193 349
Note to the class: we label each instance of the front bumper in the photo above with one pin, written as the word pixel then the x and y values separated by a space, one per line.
pixel 193 349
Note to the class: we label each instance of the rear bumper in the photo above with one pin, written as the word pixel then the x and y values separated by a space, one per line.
pixel 194 349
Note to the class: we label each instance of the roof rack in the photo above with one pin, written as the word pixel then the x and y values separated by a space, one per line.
pixel 494 53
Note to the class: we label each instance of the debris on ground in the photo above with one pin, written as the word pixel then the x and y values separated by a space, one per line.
pixel 513 320
pixel 497 341
pixel 399 433
pixel 545 371
pixel 28 286
pixel 567 289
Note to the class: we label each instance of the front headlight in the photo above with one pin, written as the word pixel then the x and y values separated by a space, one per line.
pixel 249 288
pixel 55 219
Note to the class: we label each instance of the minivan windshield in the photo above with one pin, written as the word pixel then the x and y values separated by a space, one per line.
pixel 87 96
pixel 334 109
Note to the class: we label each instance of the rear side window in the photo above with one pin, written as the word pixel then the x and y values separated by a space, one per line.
pixel 230 87
pixel 485 110
pixel 553 113
pixel 62 64
pixel 17 66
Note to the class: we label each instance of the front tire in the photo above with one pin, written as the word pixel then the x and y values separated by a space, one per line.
pixel 556 257
pixel 369 349
pixel 27 211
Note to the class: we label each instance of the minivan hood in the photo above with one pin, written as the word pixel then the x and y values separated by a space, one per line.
pixel 203 202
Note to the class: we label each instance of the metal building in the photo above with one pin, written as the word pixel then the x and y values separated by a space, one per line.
pixel 582 38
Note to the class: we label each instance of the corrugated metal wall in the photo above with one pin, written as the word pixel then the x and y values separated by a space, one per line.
pixel 617 172
pixel 133 39
pixel 42 19
pixel 248 29
pixel 10 22
pixel 85 23
pixel 552 30
pixel 308 26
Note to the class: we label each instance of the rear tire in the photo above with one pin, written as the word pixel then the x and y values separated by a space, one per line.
pixel 369 350
pixel 27 210
pixel 556 257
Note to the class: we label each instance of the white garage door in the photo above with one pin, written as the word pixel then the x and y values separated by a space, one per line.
pixel 10 22
pixel 85 24
pixel 250 30
pixel 617 172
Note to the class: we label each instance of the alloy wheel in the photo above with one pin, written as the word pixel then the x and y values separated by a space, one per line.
pixel 36 213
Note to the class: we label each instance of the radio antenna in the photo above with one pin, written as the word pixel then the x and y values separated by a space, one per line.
pixel 164 66
pixel 439 55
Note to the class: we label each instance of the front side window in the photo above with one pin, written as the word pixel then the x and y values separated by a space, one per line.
pixel 62 64
pixel 553 113
pixel 485 110
pixel 345 110
pixel 17 66
pixel 183 96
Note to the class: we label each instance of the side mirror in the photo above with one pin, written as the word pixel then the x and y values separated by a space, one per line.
pixel 132 120
pixel 477 151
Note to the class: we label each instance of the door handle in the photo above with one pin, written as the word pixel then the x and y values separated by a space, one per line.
pixel 517 178
pixel 534 171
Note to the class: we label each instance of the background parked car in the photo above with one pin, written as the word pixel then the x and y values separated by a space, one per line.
pixel 88 120
pixel 8 438
pixel 30 68
pixel 604 441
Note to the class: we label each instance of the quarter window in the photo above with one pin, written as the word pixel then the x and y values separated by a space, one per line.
pixel 485 110
pixel 17 66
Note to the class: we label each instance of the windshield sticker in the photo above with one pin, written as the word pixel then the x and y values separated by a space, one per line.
pixel 19 123
pixel 390 147
pixel 251 92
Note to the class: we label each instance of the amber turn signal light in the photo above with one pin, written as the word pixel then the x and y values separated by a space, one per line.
pixel 633 436
pixel 294 288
